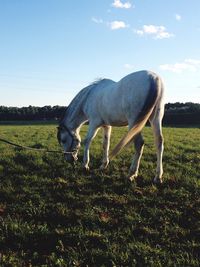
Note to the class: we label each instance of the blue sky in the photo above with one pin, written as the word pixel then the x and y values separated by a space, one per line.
pixel 50 49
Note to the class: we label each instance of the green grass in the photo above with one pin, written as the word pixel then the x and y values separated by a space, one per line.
pixel 54 215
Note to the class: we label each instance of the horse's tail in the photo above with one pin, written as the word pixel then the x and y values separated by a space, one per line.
pixel 154 95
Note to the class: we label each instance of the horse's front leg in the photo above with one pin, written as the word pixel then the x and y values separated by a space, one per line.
pixel 92 131
pixel 106 145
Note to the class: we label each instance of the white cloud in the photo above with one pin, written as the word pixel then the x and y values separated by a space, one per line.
pixel 128 66
pixel 98 21
pixel 117 24
pixel 187 65
pixel 158 32
pixel 178 17
pixel 119 4
pixel 113 25
pixel 139 32
pixel 195 62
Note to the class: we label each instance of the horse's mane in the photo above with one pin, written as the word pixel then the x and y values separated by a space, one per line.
pixel 96 81
pixel 81 96
pixel 84 92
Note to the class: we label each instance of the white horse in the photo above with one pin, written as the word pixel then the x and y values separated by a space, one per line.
pixel 132 101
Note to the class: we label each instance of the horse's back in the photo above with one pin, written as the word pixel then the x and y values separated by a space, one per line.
pixel 138 81
pixel 115 102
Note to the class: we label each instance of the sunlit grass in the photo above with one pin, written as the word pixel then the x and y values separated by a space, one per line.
pixel 54 215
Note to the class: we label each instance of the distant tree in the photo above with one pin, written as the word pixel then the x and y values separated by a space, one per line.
pixel 175 113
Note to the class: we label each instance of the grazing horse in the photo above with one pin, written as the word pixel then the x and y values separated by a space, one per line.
pixel 135 99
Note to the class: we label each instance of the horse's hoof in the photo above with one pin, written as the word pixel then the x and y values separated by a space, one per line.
pixel 157 181
pixel 86 169
pixel 103 167
pixel 132 178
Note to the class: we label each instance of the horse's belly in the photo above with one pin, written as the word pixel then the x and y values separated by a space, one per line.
pixel 115 120
pixel 119 123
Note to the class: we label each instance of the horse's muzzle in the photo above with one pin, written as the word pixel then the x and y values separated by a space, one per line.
pixel 71 158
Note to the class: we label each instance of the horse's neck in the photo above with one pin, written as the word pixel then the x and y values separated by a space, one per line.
pixel 75 117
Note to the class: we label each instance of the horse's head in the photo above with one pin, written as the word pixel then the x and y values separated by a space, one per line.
pixel 70 143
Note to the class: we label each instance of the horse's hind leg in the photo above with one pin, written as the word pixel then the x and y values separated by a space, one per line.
pixel 106 145
pixel 139 146
pixel 159 142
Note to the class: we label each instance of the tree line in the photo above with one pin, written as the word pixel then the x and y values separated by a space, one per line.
pixel 31 113
pixel 182 114
pixel 175 113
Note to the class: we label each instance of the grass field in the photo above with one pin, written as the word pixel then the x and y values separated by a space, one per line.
pixel 54 215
